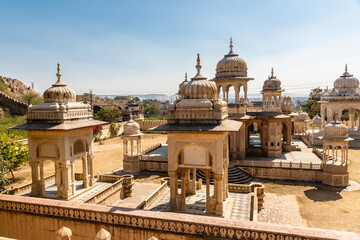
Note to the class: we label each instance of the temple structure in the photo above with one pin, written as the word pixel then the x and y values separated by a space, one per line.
pixel 335 154
pixel 273 133
pixel 61 130
pixel 197 130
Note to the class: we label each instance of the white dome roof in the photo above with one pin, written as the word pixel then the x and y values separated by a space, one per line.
pixel 231 66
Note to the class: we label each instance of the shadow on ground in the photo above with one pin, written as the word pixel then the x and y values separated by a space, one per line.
pixel 322 195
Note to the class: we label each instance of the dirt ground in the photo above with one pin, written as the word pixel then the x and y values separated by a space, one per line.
pixel 318 207
pixel 323 207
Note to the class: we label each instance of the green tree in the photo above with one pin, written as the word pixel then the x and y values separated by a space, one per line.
pixel 312 106
pixel 4 169
pixel 13 152
pixel 151 109
pixel 109 114
pixel 31 98
pixel 137 99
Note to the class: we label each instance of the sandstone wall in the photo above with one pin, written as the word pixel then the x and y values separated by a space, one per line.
pixel 148 124
pixel 34 218
pixel 14 106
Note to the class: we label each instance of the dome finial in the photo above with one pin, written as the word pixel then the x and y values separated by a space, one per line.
pixel 231 44
pixel 346 67
pixel 198 66
pixel 186 77
pixel 58 74
pixel 272 72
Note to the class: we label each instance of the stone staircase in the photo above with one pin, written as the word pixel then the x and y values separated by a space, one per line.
pixel 235 175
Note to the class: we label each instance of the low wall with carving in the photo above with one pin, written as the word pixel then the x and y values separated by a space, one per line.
pixel 148 124
pixel 15 107
pixel 33 218
pixel 283 170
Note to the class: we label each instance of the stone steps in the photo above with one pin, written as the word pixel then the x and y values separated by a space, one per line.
pixel 235 175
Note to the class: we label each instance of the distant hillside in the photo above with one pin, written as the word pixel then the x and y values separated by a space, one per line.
pixel 12 92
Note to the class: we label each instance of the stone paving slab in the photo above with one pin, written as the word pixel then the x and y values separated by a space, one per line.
pixel 140 192
pixel 159 152
pixel 281 209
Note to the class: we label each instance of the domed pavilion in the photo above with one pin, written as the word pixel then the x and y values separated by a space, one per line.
pixel 197 130
pixel 60 129
pixel 344 96
pixel 231 71
pixel 335 154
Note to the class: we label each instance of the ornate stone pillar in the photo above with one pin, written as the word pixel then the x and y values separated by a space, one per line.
pixel 207 177
pixel 323 115
pixel 245 92
pixel 173 190
pixel 183 189
pixel 224 93
pixel 41 180
pixel 132 147
pixel 236 94
pixel 352 117
pixel 85 172
pixel 219 194
pixel 91 169
pixel 64 190
pixel 35 189
pixel 73 188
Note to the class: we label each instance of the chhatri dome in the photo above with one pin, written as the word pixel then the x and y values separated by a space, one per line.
pixel 335 130
pixel 316 120
pixel 272 83
pixel 59 92
pixel 231 66
pixel 131 128
pixel 346 82
pixel 183 84
pixel 199 87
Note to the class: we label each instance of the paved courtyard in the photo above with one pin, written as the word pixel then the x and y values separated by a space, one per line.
pixel 159 152
pixel 305 155
pixel 281 209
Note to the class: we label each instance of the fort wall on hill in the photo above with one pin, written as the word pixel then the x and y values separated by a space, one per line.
pixel 15 107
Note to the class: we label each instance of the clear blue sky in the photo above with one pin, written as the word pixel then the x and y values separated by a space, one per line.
pixel 118 47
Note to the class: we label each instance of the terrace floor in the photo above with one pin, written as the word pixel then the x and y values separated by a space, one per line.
pixel 238 204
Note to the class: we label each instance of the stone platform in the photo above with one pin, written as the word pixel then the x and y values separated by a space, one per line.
pixel 81 193
pixel 238 204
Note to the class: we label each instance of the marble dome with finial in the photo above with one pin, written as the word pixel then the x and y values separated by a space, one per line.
pixel 59 92
pixel 199 87
pixel 131 128
pixel 183 84
pixel 272 83
pixel 231 66
pixel 316 120
pixel 335 130
pixel 346 82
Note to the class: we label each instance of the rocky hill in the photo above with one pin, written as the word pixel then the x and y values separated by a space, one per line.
pixel 12 92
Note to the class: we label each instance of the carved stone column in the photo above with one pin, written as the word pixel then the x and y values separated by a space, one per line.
pixel 173 190
pixel 85 172
pixel 35 189
pixel 219 210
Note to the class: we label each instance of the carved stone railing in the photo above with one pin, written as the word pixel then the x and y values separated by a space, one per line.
pixel 47 214
pixel 153 197
pixel 27 187
pixel 108 178
pixel 280 164
pixel 154 158
pixel 305 141
pixel 151 148
pixel 102 195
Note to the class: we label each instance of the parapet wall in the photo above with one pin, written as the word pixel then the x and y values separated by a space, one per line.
pixel 34 218
pixel 148 124
pixel 15 107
